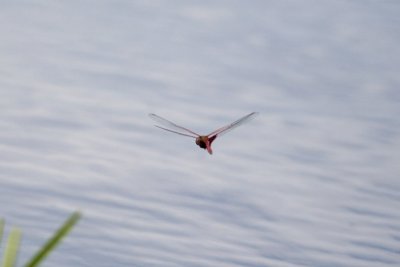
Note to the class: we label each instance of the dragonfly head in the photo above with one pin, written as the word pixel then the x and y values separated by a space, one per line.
pixel 205 143
pixel 201 141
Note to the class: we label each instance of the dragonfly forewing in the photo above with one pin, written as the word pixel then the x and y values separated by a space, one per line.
pixel 233 125
pixel 172 127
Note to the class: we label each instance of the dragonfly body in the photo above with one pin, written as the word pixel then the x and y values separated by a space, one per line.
pixel 203 141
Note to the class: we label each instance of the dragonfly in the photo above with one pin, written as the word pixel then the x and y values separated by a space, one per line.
pixel 203 141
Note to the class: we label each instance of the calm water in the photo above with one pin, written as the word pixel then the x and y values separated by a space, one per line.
pixel 312 181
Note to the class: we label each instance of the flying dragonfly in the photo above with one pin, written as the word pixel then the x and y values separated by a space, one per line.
pixel 203 141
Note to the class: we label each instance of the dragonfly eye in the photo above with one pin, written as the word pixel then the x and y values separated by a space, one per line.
pixel 201 143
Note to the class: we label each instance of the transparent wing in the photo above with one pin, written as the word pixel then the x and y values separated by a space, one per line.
pixel 170 125
pixel 233 125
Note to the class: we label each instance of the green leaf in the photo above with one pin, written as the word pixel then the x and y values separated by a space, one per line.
pixel 11 250
pixel 54 240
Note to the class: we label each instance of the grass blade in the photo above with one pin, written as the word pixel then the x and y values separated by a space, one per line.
pixel 11 250
pixel 1 230
pixel 54 240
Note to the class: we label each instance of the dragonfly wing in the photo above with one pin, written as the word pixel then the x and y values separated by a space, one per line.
pixel 174 131
pixel 170 125
pixel 233 125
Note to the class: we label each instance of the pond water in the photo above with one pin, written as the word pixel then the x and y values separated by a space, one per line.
pixel 313 180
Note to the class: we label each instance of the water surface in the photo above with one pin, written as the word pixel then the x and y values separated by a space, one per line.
pixel 312 181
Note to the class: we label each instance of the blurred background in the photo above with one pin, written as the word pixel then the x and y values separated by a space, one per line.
pixel 312 181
